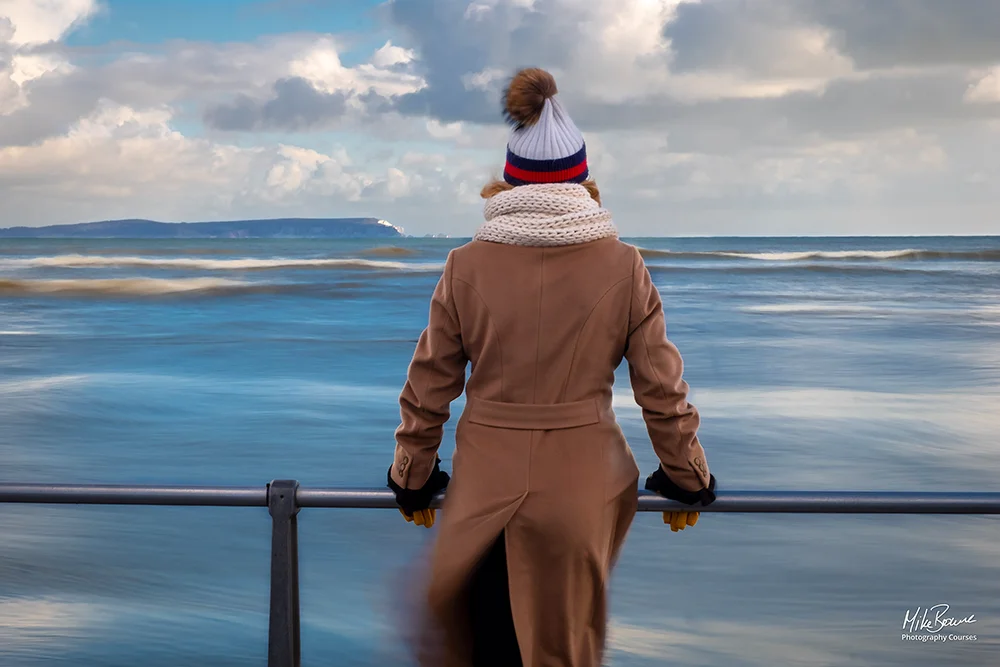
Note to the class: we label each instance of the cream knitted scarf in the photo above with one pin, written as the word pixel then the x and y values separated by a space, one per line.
pixel 546 214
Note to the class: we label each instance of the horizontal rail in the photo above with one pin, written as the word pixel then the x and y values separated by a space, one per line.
pixel 822 502
pixel 113 494
pixel 284 498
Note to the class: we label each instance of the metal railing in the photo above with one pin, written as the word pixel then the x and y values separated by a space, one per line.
pixel 284 498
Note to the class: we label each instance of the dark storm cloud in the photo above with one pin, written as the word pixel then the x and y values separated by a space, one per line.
pixel 874 34
pixel 453 43
pixel 448 50
pixel 845 110
pixel 888 33
pixel 295 105
pixel 747 38
pixel 731 36
pixel 56 103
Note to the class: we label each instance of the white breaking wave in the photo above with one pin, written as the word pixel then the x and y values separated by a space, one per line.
pixel 243 264
pixel 23 619
pixel 976 409
pixel 125 286
pixel 32 385
pixel 988 312
pixel 788 308
pixel 821 254
pixel 800 255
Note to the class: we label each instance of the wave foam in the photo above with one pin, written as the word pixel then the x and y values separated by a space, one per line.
pixel 796 256
pixel 978 408
pixel 123 286
pixel 244 264
pixel 22 618
pixel 33 385
pixel 988 313
pixel 389 251
pixel 791 308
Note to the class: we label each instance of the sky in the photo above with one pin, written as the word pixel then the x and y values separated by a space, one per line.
pixel 702 118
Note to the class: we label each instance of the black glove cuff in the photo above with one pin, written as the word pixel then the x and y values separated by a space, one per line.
pixel 659 483
pixel 414 500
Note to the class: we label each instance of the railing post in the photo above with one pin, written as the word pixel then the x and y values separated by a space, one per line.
pixel 283 641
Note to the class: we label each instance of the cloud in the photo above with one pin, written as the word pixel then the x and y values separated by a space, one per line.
pixel 902 33
pixel 658 64
pixel 734 117
pixel 292 82
pixel 385 75
pixel 391 56
pixel 986 88
pixel 296 105
pixel 105 158
pixel 173 73
pixel 126 162
pixel 764 40
pixel 25 24
pixel 42 21
pixel 814 34
pixel 321 91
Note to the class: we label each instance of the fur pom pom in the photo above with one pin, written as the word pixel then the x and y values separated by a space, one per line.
pixel 525 95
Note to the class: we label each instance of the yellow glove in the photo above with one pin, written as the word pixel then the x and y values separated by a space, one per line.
pixel 680 520
pixel 423 518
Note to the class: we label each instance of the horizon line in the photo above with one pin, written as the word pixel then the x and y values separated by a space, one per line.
pixel 440 235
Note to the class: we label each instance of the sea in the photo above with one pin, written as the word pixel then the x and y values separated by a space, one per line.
pixel 818 364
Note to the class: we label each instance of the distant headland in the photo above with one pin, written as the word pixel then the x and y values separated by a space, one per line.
pixel 278 228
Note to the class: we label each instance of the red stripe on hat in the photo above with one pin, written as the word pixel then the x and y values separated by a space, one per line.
pixel 546 176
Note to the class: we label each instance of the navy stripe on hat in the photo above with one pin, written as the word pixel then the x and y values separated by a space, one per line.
pixel 524 171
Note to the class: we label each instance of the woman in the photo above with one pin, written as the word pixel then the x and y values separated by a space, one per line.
pixel 545 302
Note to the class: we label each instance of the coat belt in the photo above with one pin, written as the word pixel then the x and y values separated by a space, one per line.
pixel 534 417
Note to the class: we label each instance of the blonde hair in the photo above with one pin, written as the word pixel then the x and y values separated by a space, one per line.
pixel 496 186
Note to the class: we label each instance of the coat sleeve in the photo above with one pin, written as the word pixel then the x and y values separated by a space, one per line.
pixel 655 371
pixel 436 377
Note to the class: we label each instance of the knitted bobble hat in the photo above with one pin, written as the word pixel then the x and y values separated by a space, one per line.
pixel 545 145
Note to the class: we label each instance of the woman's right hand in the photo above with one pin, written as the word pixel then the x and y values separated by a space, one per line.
pixel 423 518
pixel 415 504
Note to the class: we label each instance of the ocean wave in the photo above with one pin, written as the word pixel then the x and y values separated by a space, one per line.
pixel 31 385
pixel 301 390
pixel 69 247
pixel 988 313
pixel 814 308
pixel 814 403
pixel 874 269
pixel 167 287
pixel 23 620
pixel 125 286
pixel 243 264
pixel 953 314
pixel 797 256
pixel 389 251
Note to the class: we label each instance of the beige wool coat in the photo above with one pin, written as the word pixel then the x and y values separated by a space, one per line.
pixel 538 452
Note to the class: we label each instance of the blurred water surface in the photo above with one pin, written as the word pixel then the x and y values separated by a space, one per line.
pixel 851 364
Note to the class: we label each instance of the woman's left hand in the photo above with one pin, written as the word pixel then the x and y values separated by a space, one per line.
pixel 680 520
pixel 659 483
